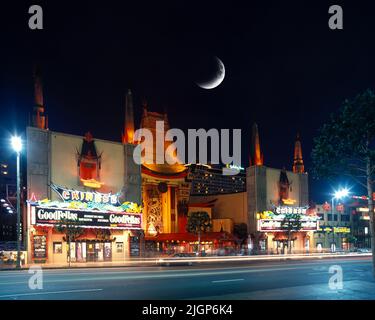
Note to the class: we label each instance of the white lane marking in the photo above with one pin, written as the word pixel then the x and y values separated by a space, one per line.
pixel 228 280
pixel 109 271
pixel 155 276
pixel 316 273
pixel 48 292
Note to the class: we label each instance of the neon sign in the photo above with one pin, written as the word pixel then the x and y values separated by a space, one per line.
pixel 234 167
pixel 273 220
pixel 291 210
pixel 328 229
pixel 85 219
pixel 86 197
pixel 288 201
pixel 277 226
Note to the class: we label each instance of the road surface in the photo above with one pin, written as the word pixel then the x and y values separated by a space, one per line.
pixel 296 279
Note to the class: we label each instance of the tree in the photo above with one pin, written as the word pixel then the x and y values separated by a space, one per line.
pixel 291 223
pixel 345 146
pixel 71 230
pixel 103 234
pixel 352 240
pixel 198 222
pixel 240 233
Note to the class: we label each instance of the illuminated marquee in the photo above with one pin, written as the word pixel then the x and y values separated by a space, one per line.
pixel 276 225
pixel 85 219
pixel 291 210
pixel 84 196
pixel 271 221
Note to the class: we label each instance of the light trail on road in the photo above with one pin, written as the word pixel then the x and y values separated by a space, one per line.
pixel 295 279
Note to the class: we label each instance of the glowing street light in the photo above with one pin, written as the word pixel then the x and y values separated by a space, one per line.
pixel 17 147
pixel 338 194
pixel 16 144
pixel 342 193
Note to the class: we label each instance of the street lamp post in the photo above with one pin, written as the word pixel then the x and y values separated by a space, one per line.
pixel 333 228
pixel 339 194
pixel 17 146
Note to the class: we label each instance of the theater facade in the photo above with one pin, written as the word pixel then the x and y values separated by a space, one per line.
pixel 84 195
pixel 279 215
pixel 88 200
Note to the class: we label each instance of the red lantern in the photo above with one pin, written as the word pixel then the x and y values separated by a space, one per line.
pixel 326 206
pixel 340 208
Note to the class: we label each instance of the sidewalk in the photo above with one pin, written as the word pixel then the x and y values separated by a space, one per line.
pixel 75 265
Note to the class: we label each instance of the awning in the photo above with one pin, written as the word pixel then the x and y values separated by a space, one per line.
pixel 208 236
pixel 282 237
pixel 258 236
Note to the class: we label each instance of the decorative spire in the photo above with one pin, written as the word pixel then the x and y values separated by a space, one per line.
pixel 256 156
pixel 38 118
pixel 298 166
pixel 38 87
pixel 128 135
pixel 144 103
pixel 88 136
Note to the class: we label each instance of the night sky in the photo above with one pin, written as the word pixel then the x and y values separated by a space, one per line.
pixel 285 69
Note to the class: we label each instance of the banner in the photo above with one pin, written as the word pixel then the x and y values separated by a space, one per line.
pixel 328 229
pixel 85 219
pixel 275 225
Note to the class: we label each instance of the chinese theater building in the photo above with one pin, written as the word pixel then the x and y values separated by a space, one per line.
pixel 165 194
pixel 273 197
pixel 80 189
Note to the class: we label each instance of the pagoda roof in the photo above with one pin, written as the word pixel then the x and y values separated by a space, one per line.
pixel 165 171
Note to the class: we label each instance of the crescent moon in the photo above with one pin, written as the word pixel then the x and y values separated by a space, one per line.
pixel 219 77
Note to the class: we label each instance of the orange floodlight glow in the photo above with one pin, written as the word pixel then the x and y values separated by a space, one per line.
pixel 91 183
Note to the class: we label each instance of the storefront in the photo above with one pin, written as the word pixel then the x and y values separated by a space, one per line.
pixel 96 231
pixel 286 226
pixel 83 199
pixel 332 238
pixel 211 243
